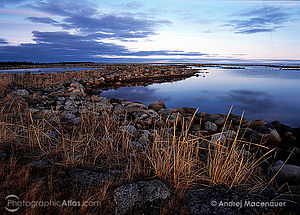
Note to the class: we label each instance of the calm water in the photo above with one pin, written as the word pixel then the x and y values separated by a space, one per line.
pixel 262 92
pixel 47 70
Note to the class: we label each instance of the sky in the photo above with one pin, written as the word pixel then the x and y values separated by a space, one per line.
pixel 156 31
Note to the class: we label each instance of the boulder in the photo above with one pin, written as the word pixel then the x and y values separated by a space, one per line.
pixel 134 107
pixel 157 105
pixel 139 193
pixel 85 178
pixel 210 126
pixel 130 129
pixel 288 173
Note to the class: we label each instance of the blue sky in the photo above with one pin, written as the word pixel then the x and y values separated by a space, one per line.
pixel 150 31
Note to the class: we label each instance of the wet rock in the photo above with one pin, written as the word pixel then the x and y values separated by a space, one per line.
pixel 157 105
pixel 214 200
pixel 210 126
pixel 139 193
pixel 85 178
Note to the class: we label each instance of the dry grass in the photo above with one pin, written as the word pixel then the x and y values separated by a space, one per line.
pixel 174 156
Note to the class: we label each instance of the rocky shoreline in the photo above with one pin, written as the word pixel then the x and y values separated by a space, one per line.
pixel 68 100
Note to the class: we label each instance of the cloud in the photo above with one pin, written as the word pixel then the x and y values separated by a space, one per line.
pixel 45 20
pixel 3 41
pixel 134 5
pixel 63 46
pixel 85 18
pixel 263 19
pixel 64 7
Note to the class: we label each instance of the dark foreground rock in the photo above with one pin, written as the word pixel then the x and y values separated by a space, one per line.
pixel 221 201
pixel 138 194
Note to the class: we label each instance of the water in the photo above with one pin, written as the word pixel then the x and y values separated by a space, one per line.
pixel 47 70
pixel 263 92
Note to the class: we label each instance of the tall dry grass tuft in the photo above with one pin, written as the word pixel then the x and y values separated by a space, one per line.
pixel 233 163
pixel 175 157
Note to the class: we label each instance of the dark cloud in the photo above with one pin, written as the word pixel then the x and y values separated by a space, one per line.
pixel 263 19
pixel 110 24
pixel 3 41
pixel 63 46
pixel 45 20
pixel 85 18
pixel 59 46
pixel 250 101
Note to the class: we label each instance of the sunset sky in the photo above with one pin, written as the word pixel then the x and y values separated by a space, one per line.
pixel 150 31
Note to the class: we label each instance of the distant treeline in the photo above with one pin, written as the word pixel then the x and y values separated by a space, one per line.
pixel 17 63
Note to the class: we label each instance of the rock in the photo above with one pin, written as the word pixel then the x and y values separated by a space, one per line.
pixel 69 116
pixel 55 118
pixel 214 200
pixel 51 134
pixel 135 144
pixel 146 117
pixel 236 119
pixel 39 164
pixel 69 102
pixel 210 126
pixel 246 132
pixel 75 121
pixel 255 124
pixel 87 178
pixel 134 107
pixel 33 110
pixel 129 129
pixel 220 120
pixel 218 138
pixel 274 137
pixel 157 105
pixel 138 194
pixel 288 173
pixel 189 110
pixel 23 93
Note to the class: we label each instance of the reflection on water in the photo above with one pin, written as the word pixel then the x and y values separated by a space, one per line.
pixel 262 92
pixel 47 70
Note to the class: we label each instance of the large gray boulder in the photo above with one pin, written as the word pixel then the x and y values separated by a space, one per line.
pixel 288 173
pixel 139 193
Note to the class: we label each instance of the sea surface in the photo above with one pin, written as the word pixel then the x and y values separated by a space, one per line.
pixel 262 92
pixel 47 70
